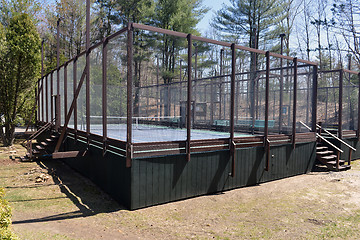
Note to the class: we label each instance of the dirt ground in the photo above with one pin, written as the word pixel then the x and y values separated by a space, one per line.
pixel 50 201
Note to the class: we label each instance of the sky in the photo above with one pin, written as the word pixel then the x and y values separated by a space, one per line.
pixel 214 5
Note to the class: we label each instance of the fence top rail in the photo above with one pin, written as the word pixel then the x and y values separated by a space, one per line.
pixel 183 35
pixel 338 70
pixel 221 43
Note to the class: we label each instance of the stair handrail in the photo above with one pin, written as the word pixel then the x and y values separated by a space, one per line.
pixel 337 138
pixel 39 131
pixel 322 138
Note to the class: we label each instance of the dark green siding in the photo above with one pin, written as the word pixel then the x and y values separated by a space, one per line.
pixel 108 172
pixel 169 178
pixel 157 180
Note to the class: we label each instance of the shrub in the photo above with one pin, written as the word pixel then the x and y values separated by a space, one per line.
pixel 5 219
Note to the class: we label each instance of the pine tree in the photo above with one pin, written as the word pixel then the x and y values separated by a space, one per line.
pixel 20 68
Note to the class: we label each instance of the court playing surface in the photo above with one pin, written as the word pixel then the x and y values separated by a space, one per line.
pixel 155 133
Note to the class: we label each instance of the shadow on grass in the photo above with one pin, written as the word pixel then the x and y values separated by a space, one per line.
pixel 57 217
pixel 36 199
pixel 87 197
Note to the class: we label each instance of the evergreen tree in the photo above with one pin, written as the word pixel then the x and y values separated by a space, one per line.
pixel 176 15
pixel 250 19
pixel 19 70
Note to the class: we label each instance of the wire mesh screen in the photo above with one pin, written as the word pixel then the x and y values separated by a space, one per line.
pixel 210 91
pixel 276 95
pixel 159 88
pixel 49 98
pixel 81 101
pixel 96 90
pixel 116 87
pixel 350 101
pixel 304 98
pixel 61 95
pixel 70 90
pixel 328 99
pixel 246 79
pixel 41 100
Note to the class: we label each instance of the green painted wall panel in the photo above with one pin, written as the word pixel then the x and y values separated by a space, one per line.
pixel 174 178
pixel 157 180
pixel 108 172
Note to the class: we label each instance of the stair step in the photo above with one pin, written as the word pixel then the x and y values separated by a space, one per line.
pixel 344 167
pixel 44 144
pixel 334 162
pixel 324 152
pixel 49 140
pixel 330 157
pixel 321 148
pixel 39 147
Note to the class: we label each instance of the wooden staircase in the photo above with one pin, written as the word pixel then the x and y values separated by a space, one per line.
pixel 330 159
pixel 39 150
pixel 327 153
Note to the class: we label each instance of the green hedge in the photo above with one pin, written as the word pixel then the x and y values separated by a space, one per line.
pixel 5 218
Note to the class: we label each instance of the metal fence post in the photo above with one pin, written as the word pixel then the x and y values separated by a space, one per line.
pixel 314 98
pixel 232 108
pixel 58 114
pixel 104 92
pixel 88 70
pixel 294 103
pixel 188 110
pixel 266 125
pixel 358 117
pixel 340 102
pixel 129 95
pixel 42 99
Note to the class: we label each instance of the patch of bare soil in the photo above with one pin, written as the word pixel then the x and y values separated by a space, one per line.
pixel 51 201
